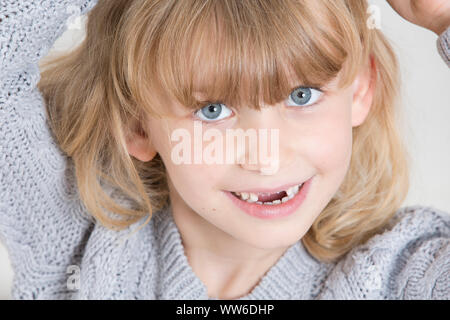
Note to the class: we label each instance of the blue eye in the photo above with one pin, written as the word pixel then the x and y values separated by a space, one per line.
pixel 213 112
pixel 304 96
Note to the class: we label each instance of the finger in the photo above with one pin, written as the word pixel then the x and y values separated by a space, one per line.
pixel 402 7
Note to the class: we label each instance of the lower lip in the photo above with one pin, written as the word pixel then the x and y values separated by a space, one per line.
pixel 263 211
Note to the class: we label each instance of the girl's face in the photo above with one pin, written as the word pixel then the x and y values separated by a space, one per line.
pixel 315 142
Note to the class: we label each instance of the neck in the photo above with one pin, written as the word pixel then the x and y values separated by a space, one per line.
pixel 228 267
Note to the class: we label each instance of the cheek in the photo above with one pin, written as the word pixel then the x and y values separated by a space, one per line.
pixel 330 143
pixel 186 176
pixel 191 181
pixel 196 186
pixel 196 180
pixel 335 142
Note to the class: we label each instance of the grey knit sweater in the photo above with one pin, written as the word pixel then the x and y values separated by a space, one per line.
pixel 59 252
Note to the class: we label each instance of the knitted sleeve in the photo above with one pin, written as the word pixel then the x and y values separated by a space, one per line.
pixel 443 45
pixel 42 221
pixel 409 260
pixel 426 273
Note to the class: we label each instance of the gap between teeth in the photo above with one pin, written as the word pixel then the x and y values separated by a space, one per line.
pixel 253 198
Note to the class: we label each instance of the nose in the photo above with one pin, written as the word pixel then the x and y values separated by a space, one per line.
pixel 274 149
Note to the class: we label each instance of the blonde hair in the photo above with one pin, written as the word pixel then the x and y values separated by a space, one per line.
pixel 137 54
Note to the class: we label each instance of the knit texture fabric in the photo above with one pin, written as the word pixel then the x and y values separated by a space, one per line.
pixel 443 45
pixel 52 241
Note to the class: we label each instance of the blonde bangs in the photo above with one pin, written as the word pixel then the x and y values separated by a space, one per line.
pixel 242 53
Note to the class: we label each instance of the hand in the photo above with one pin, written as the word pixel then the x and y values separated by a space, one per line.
pixel 433 15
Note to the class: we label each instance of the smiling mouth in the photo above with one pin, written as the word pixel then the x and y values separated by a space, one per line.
pixel 269 199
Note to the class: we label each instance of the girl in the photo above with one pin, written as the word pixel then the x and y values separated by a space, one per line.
pixel 94 204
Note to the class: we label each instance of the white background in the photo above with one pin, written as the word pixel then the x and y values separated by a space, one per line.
pixel 426 92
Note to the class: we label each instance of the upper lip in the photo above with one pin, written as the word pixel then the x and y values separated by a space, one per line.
pixel 270 190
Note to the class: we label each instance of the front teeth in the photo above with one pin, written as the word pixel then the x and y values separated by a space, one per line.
pixel 252 197
pixel 292 191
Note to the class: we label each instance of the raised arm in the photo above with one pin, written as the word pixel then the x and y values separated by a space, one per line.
pixel 433 15
pixel 443 45
pixel 42 222
pixel 28 30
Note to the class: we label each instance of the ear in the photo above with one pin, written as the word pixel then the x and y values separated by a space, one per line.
pixel 363 92
pixel 139 144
